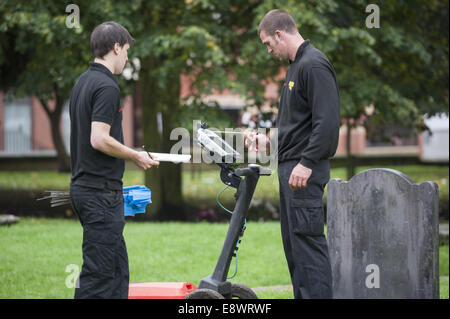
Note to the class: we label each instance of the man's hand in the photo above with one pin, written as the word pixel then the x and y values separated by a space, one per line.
pixel 299 176
pixel 103 142
pixel 256 142
pixel 143 160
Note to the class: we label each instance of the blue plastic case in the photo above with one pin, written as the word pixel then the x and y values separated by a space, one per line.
pixel 135 199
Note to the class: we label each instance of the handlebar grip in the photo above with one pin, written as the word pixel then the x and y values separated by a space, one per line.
pixel 243 171
pixel 253 169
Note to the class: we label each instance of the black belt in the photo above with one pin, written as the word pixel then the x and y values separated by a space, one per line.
pixel 98 182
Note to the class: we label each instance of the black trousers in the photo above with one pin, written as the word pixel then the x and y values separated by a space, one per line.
pixel 302 230
pixel 105 272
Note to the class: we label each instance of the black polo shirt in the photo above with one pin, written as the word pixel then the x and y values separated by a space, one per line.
pixel 95 97
pixel 308 116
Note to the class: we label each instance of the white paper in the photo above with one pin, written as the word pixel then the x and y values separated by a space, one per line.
pixel 167 157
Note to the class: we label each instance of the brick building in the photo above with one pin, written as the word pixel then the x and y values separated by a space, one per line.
pixel 25 127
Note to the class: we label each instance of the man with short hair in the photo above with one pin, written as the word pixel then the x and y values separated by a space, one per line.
pixel 98 162
pixel 308 132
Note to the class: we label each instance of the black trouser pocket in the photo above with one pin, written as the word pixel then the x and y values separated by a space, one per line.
pixel 306 216
pixel 104 207
pixel 319 282
pixel 102 234
pixel 99 249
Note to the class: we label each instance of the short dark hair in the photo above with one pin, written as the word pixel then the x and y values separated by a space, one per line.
pixel 106 35
pixel 277 20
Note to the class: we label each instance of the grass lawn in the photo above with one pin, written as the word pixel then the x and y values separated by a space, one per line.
pixel 202 188
pixel 205 185
pixel 36 252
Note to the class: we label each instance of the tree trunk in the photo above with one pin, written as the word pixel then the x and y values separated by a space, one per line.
pixel 350 157
pixel 164 181
pixel 152 138
pixel 171 182
pixel 55 122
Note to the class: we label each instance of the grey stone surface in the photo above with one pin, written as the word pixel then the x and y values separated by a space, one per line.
pixel 8 219
pixel 383 236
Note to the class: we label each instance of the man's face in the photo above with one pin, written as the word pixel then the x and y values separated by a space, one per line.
pixel 122 57
pixel 274 46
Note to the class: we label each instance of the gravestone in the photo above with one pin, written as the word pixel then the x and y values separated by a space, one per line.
pixel 383 236
pixel 8 219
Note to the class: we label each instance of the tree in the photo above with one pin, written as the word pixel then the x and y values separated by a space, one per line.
pixel 168 34
pixel 42 57
pixel 401 68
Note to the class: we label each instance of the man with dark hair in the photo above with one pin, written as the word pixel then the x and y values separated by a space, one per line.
pixel 106 35
pixel 97 161
pixel 308 132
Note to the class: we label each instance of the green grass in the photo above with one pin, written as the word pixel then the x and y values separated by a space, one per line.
pixel 205 187
pixel 443 260
pixel 202 188
pixel 36 252
pixel 274 294
pixel 42 180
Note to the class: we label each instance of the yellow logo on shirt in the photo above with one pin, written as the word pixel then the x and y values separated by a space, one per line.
pixel 291 84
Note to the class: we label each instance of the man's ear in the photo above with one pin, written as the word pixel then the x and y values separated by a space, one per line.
pixel 116 48
pixel 277 35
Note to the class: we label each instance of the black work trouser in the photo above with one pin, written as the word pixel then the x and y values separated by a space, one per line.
pixel 105 272
pixel 302 230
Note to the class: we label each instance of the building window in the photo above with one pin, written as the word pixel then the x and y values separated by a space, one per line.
pixel 17 119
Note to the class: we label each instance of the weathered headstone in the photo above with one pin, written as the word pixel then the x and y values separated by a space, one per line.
pixel 383 236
